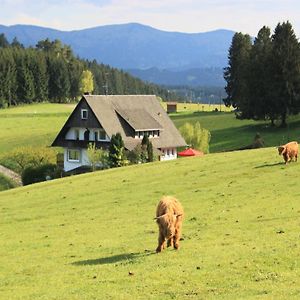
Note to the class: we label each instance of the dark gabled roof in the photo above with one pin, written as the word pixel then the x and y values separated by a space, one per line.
pixel 139 119
pixel 140 112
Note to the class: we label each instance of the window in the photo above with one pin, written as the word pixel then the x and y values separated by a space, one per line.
pixel 96 135
pixel 84 114
pixel 73 155
pixel 102 134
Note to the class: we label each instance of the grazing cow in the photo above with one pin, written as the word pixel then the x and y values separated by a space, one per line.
pixel 289 151
pixel 169 216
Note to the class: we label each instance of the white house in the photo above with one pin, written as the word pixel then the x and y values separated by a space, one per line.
pixel 96 118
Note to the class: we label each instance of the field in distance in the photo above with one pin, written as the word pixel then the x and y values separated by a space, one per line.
pixel 38 125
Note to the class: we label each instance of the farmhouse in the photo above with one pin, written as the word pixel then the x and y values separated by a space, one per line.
pixel 96 118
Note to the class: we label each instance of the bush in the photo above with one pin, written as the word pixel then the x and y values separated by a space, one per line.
pixel 41 173
pixel 6 183
pixel 21 158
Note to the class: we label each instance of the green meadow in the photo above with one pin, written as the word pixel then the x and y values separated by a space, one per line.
pixel 38 125
pixel 32 125
pixel 93 236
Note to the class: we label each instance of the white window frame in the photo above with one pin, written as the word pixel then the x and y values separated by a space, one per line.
pixel 83 112
pixel 73 160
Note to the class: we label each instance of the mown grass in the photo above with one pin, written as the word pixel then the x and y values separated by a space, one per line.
pixel 229 133
pixel 38 125
pixel 79 237
pixel 32 125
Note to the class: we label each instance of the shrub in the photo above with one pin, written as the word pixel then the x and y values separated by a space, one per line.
pixel 23 157
pixel 40 173
pixel 6 183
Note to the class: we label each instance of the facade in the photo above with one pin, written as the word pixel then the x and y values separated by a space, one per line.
pixel 171 107
pixel 96 118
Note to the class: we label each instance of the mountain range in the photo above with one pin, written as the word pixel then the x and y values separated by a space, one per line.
pixel 151 54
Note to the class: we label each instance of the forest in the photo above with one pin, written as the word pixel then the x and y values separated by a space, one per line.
pixel 263 76
pixel 50 72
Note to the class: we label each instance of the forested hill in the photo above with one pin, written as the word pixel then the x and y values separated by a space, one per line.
pixel 135 46
pixel 51 72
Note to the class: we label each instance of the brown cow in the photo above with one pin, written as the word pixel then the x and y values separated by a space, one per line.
pixel 169 216
pixel 289 151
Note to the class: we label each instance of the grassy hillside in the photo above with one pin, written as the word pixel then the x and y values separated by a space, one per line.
pixel 31 125
pixel 39 124
pixel 79 237
pixel 228 133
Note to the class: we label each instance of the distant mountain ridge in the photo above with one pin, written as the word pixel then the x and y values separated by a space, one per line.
pixel 135 46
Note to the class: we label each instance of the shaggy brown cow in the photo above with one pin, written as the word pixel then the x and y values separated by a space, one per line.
pixel 169 216
pixel 289 151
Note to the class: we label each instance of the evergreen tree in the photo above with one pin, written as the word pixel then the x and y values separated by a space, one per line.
pixel 262 104
pixel 116 156
pixel 16 44
pixel 3 41
pixel 285 71
pixel 59 82
pixel 237 74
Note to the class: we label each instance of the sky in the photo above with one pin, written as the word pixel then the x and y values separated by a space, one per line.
pixel 190 16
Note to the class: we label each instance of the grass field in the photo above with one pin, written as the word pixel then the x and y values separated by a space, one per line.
pixel 39 124
pixel 79 237
pixel 34 125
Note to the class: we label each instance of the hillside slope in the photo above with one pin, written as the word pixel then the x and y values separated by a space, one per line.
pixel 142 46
pixel 79 237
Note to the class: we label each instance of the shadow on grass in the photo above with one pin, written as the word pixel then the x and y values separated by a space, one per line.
pixel 269 165
pixel 113 259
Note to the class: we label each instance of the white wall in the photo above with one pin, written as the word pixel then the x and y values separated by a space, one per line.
pixel 70 165
pixel 71 134
pixel 167 154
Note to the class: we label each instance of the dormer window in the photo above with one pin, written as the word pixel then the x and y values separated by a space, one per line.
pixel 84 114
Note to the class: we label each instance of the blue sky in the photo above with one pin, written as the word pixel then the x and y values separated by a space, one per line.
pixel 247 16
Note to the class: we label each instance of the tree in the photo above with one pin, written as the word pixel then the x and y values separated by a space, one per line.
pixel 286 71
pixel 59 82
pixel 3 41
pixel 237 74
pixel 97 157
pixel 116 155
pixel 260 76
pixel 195 136
pixel 16 44
pixel 86 82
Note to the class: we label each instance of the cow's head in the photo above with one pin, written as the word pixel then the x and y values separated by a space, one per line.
pixel 167 222
pixel 281 150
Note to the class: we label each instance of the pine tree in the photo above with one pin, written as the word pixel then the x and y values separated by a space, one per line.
pixel 237 74
pixel 285 71
pixel 116 155
pixel 260 76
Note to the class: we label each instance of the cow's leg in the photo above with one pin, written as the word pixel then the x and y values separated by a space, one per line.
pixel 177 237
pixel 170 242
pixel 161 242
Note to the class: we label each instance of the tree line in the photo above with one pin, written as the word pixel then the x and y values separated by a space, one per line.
pixel 51 72
pixel 263 76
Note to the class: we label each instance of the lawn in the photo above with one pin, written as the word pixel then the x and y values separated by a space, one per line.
pixel 34 125
pixel 81 237
pixel 39 124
